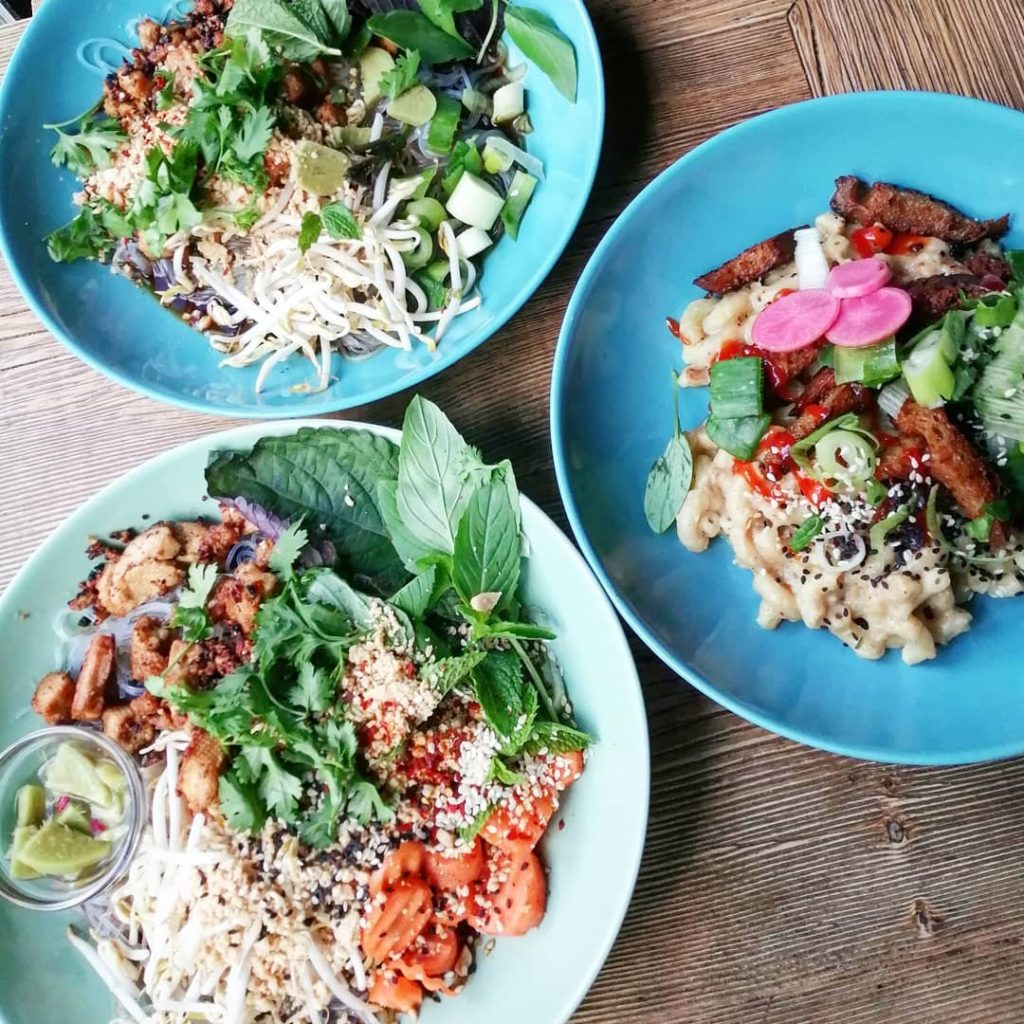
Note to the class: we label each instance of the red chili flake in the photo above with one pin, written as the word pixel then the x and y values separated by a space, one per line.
pixel 61 803
pixel 561 824
pixel 96 826
pixel 410 670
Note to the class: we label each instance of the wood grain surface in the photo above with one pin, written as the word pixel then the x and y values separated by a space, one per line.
pixel 780 885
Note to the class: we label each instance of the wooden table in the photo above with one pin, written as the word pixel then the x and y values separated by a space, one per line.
pixel 780 884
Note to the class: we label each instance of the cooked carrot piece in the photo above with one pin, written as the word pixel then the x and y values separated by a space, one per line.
pixel 402 862
pixel 517 829
pixel 445 871
pixel 452 907
pixel 514 898
pixel 397 917
pixel 433 953
pixel 394 992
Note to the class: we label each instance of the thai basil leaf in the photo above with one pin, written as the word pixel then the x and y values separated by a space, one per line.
pixel 412 30
pixel 668 483
pixel 487 545
pixel 541 42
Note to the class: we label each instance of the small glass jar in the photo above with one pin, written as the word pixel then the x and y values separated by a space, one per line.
pixel 20 765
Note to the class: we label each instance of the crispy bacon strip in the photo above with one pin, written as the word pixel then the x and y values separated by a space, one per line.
pixel 750 265
pixel 907 210
pixel 954 463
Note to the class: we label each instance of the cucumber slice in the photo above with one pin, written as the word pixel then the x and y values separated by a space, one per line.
pixel 416 106
pixel 373 64
pixel 475 203
pixel 354 136
pixel 56 849
pixel 74 773
pixel 441 136
pixel 30 805
pixel 320 170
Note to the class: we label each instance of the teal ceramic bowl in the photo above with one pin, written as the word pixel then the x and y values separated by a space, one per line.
pixel 123 332
pixel 594 859
pixel 697 612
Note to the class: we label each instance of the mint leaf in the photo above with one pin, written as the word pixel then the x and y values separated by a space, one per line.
pixel 328 588
pixel 339 222
pixel 447 673
pixel 310 230
pixel 500 690
pixel 283 29
pixel 414 597
pixel 556 739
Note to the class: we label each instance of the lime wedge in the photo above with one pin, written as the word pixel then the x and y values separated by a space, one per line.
pixel 22 834
pixel 73 773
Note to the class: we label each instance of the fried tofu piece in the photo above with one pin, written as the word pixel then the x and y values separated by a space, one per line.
pixel 191 535
pixel 127 730
pixel 831 400
pixel 182 662
pixel 150 647
pixel 953 463
pixel 933 297
pixel 53 698
pixel 199 777
pixel 94 679
pixel 910 212
pixel 750 265
pixel 238 598
pixel 149 708
pixel 144 570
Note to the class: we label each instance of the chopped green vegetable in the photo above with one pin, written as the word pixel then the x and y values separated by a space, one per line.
pixel 878 533
pixel 520 192
pixel 414 107
pixel 89 147
pixel 808 530
pixel 465 158
pixel 736 388
pixel 474 202
pixel 444 125
pixel 998 396
pixel 411 30
pixel 928 374
pixel 872 366
pixel 997 310
pixel 339 222
pixel 1015 257
pixel 310 230
pixel 429 212
pixel 738 436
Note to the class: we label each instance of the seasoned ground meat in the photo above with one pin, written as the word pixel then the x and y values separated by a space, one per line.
pixel 750 265
pixel 907 210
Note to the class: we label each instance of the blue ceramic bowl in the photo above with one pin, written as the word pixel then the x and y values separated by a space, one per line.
pixel 539 978
pixel 611 416
pixel 122 331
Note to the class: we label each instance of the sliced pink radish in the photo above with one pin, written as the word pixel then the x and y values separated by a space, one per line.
pixel 870 318
pixel 858 277
pixel 795 320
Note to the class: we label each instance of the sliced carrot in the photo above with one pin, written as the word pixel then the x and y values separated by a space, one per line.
pixel 394 991
pixel 434 952
pixel 452 907
pixel 402 862
pixel 445 871
pixel 514 898
pixel 517 829
pixel 397 918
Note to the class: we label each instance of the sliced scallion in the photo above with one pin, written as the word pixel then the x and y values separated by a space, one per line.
pixel 928 374
pixel 739 436
pixel 809 529
pixel 871 366
pixel 520 192
pixel 736 387
pixel 443 126
pixel 882 529
pixel 997 310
